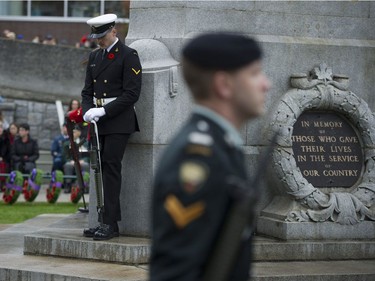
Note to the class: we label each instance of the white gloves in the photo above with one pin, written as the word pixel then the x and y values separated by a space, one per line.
pixel 94 114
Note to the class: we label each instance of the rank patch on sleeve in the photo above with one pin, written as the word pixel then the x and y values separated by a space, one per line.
pixel 180 214
pixel 192 176
pixel 136 71
pixel 198 149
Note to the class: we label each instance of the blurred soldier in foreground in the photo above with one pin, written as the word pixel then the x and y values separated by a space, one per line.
pixel 192 189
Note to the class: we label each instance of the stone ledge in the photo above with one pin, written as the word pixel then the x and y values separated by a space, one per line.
pixel 27 268
pixel 70 243
pixel 315 231
pixel 267 249
pixel 129 250
pixel 315 271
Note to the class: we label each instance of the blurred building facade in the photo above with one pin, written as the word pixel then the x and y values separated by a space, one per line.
pixel 64 20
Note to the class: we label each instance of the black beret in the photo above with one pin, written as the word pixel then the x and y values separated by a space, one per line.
pixel 222 51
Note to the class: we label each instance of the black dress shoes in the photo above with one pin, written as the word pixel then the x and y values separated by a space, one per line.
pixel 106 232
pixel 89 232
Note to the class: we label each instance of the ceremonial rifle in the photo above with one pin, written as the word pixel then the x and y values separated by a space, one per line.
pixel 238 225
pixel 77 164
pixel 96 165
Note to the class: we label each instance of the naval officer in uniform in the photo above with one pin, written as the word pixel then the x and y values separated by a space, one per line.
pixel 112 87
pixel 192 188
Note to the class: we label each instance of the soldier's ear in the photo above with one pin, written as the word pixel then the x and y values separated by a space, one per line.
pixel 221 82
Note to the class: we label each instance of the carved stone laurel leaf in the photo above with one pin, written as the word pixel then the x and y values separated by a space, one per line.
pixel 316 93
pixel 297 216
pixel 323 72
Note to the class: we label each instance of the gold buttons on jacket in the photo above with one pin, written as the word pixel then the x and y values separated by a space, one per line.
pixel 94 94
pixel 105 94
pixel 105 81
pixel 94 80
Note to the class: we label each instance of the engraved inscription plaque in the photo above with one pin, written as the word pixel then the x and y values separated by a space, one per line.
pixel 327 149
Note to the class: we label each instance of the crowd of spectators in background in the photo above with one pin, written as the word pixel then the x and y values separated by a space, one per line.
pixel 19 151
pixel 61 152
pixel 48 39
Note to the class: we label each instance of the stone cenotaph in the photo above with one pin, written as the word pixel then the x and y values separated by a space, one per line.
pixel 323 161
pixel 309 34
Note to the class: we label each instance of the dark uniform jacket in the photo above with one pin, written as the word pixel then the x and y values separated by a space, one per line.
pixel 117 75
pixel 190 200
pixel 5 148
pixel 19 149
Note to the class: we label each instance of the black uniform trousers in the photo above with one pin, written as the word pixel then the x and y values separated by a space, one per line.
pixel 112 151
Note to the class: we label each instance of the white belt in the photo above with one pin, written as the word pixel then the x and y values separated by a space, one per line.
pixel 103 101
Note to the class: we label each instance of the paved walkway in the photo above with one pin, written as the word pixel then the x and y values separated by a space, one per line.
pixel 15 266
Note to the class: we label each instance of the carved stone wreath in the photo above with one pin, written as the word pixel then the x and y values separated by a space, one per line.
pixel 324 91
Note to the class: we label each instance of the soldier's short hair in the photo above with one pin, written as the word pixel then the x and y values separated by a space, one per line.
pixel 197 79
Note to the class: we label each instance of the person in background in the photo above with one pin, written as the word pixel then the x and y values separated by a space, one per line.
pixel 57 149
pixel 112 87
pixel 74 104
pixel 4 155
pixel 24 151
pixel 49 40
pixel 4 121
pixel 67 158
pixel 12 133
pixel 36 39
pixel 9 34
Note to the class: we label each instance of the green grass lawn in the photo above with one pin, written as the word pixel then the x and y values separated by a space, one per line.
pixel 21 211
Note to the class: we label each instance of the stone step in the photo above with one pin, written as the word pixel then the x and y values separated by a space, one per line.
pixel 33 268
pixel 350 270
pixel 44 156
pixel 15 266
pixel 269 249
pixel 45 161
pixel 69 242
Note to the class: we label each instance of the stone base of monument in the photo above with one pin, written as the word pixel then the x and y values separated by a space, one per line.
pixel 312 231
pixel 64 239
pixel 60 242
pixel 273 221
pixel 62 246
pixel 48 237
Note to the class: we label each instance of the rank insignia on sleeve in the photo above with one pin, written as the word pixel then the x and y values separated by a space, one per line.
pixel 198 149
pixel 180 214
pixel 192 176
pixel 136 71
